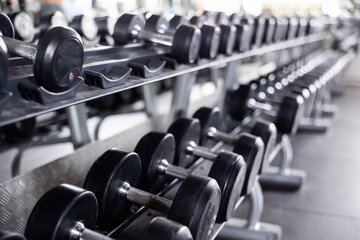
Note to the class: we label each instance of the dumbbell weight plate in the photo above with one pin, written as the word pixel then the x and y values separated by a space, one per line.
pixel 124 27
pixel 56 213
pixel 109 172
pixel 290 113
pixel 152 148
pixel 238 101
pixel 5 235
pixel 197 21
pixel 186 43
pixel 228 38
pixel 58 59
pixel 23 26
pixel 160 227
pixel 210 41
pixel 85 26
pixel 157 24
pixel 6 26
pixel 185 131
pixel 229 171
pixel 3 64
pixel 176 21
pixel 208 117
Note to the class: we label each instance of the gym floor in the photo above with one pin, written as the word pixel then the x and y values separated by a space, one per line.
pixel 327 207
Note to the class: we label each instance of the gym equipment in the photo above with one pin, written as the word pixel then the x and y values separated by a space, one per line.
pixel 293 27
pixel 259 30
pixel 187 137
pixel 156 151
pixel 112 179
pixel 287 114
pixel 106 25
pixel 20 131
pixel 210 119
pixel 70 212
pixel 3 64
pixel 185 43
pixel 23 26
pixel 57 59
pixel 269 29
pixel 49 21
pixel 85 26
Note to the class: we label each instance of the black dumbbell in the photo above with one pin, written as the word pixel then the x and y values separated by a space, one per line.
pixel 70 212
pixel 269 30
pixel 112 179
pixel 210 119
pixel 187 133
pixel 286 115
pixel 3 64
pixel 20 131
pixel 57 59
pixel 280 29
pixel 49 21
pixel 7 235
pixel 106 25
pixel 235 18
pixel 293 27
pixel 303 22
pixel 86 27
pixel 157 150
pixel 185 43
pixel 228 30
pixel 23 26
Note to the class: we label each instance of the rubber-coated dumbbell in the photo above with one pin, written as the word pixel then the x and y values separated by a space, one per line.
pixel 106 25
pixel 4 64
pixel 57 58
pixel 70 212
pixel 86 27
pixel 157 150
pixel 176 21
pixel 258 35
pixel 19 131
pixel 269 30
pixel 286 115
pixel 227 35
pixel 293 27
pixel 210 119
pixel 303 22
pixel 185 43
pixel 7 235
pixel 195 205
pixel 23 26
pixel 280 29
pixel 187 133
pixel 49 21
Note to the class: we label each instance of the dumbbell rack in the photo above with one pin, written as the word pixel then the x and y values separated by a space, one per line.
pixel 22 192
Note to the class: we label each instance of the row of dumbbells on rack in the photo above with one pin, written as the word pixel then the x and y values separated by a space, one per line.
pixel 120 179
pixel 58 56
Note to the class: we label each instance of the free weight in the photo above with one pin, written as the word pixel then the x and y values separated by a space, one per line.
pixel 20 131
pixel 23 26
pixel 105 25
pixel 70 212
pixel 57 59
pixel 176 21
pixel 49 21
pixel 187 137
pixel 3 64
pixel 157 150
pixel 210 119
pixel 286 115
pixel 112 179
pixel 293 27
pixel 269 30
pixel 185 43
pixel 85 26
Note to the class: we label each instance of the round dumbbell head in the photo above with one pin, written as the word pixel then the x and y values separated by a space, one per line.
pixel 290 113
pixel 23 26
pixel 58 210
pixel 235 18
pixel 252 149
pixel 105 177
pixel 209 16
pixel 227 39
pixel 221 18
pixel 268 133
pixel 106 25
pixel 59 58
pixel 185 131
pixel 125 26
pixel 229 171
pixel 3 64
pixel 56 19
pixel 6 26
pixel 197 21
pixel 238 100
pixel 152 149
pixel 186 44
pixel 210 41
pixel 19 131
pixel 196 205
pixel 209 118
pixel 85 26
pixel 7 235
pixel 162 228
pixel 177 21
pixel 157 24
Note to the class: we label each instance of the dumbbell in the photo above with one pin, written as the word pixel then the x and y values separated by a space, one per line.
pixel 259 26
pixel 187 137
pixel 156 151
pixel 86 27
pixel 292 28
pixel 280 29
pixel 7 235
pixel 286 115
pixel 269 28
pixel 210 119
pixel 227 35
pixel 112 179
pixel 3 64
pixel 70 212
pixel 176 21
pixel 49 21
pixel 185 43
pixel 57 59
pixel 303 22
pixel 105 25
pixel 23 26
pixel 19 131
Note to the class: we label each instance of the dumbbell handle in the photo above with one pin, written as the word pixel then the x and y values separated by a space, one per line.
pixel 20 48
pixel 163 39
pixel 81 232
pixel 175 171
pixel 221 136
pixel 199 151
pixel 267 108
pixel 143 198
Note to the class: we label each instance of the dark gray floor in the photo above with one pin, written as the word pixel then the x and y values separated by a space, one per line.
pixel 328 205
